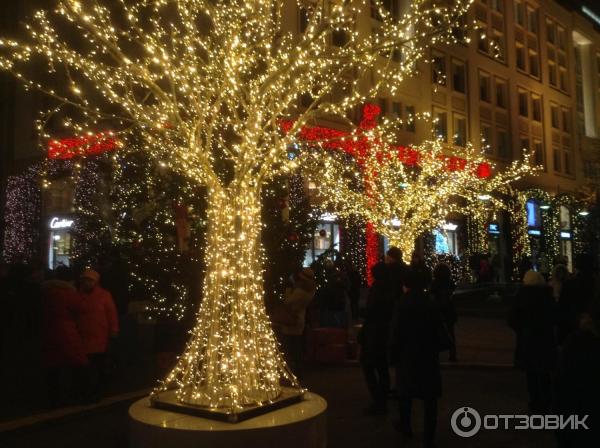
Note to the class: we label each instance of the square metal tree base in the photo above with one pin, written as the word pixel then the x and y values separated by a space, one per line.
pixel 167 401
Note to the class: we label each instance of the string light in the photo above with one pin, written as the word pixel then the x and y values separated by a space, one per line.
pixel 405 193
pixel 202 86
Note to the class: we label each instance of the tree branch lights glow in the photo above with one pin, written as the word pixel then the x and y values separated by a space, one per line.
pixel 405 200
pixel 202 86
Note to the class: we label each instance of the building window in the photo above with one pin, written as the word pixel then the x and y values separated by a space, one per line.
pixel 303 18
pixel 538 152
pixel 562 77
pixel 383 104
pixel 458 76
pixel 551 31
pixel 460 130
pixel 440 124
pixel 557 56
pixel 501 93
pixel 532 20
pixel 325 239
pixel 536 107
pixel 486 138
pixel 566 119
pixel 520 57
pixel 557 164
pixel 554 116
pixel 523 103
pixel 503 143
pixel 485 87
pixel 396 109
pixel 438 70
pixel 534 65
pixel 410 118
pixel 491 28
pixel 552 78
pixel 524 143
pixel 498 5
pixel 519 12
pixel 567 159
pixel 339 38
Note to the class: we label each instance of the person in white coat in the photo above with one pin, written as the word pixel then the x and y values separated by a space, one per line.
pixel 296 300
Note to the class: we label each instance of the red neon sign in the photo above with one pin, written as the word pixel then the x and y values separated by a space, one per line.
pixel 87 145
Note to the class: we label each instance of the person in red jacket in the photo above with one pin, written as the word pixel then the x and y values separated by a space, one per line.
pixel 98 323
pixel 62 345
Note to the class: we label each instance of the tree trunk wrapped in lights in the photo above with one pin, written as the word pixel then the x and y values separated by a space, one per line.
pixel 203 86
pixel 408 191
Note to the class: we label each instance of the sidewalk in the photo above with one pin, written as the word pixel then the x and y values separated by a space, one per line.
pixel 489 392
pixel 486 341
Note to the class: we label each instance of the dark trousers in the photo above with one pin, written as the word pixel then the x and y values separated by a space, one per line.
pixel 96 377
pixel 430 408
pixel 294 351
pixel 539 386
pixel 65 385
pixel 377 377
pixel 452 354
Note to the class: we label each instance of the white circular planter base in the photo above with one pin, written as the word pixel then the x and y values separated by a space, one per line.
pixel 301 425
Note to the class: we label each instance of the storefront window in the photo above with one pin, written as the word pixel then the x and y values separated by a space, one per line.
pixel 60 242
pixel 326 238
pixel 446 240
pixel 566 237
pixel 534 218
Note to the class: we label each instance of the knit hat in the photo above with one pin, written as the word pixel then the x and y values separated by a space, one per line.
pixel 91 274
pixel 533 278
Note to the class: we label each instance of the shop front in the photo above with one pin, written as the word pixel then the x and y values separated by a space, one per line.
pixel 325 241
pixel 566 237
pixel 60 241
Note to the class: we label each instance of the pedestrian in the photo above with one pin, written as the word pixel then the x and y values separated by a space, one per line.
pixel 560 274
pixel 442 291
pixel 62 346
pixel 354 288
pixel 418 335
pixel 297 299
pixel 577 385
pixel 374 339
pixel 576 295
pixel 485 269
pixel 331 298
pixel 397 269
pixel 417 264
pixel 533 317
pixel 98 323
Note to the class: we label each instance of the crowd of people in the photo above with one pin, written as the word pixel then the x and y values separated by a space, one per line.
pixel 409 320
pixel 557 327
pixel 73 319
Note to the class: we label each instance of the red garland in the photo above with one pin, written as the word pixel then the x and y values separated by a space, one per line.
pixel 87 145
pixel 359 147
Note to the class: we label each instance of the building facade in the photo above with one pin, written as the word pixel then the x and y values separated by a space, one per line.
pixel 528 79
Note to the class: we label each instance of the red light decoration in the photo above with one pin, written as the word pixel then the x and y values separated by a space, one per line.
pixel 372 250
pixel 359 146
pixel 87 145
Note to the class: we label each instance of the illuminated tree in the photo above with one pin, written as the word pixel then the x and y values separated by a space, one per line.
pixel 203 85
pixel 408 191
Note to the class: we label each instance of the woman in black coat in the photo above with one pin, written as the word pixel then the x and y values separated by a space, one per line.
pixel 533 318
pixel 418 337
pixel 374 339
pixel 442 290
